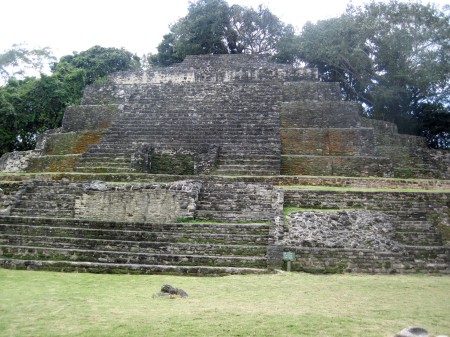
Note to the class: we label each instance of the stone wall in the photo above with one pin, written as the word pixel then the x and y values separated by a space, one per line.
pixel 8 193
pixel 409 154
pixel 142 203
pixel 311 90
pixel 237 201
pixel 218 68
pixel 341 229
pixel 320 114
pixel 89 117
pixel 427 203
pixel 16 161
pixel 328 141
pixel 356 166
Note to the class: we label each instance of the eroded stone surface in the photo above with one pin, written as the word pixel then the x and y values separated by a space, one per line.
pixel 343 229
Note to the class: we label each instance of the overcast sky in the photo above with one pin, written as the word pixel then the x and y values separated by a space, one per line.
pixel 136 25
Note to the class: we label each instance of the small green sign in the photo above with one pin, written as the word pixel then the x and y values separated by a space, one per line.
pixel 288 256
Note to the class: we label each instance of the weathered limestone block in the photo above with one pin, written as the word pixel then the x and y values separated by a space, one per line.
pixel 328 142
pixel 352 166
pixel 139 202
pixel 89 117
pixel 320 114
pixel 17 161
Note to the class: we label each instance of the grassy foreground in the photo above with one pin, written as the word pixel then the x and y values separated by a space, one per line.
pixel 288 304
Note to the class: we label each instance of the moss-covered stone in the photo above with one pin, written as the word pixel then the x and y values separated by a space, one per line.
pixel 179 164
pixel 63 163
pixel 71 142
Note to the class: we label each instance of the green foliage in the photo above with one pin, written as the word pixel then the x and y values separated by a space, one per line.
pixel 393 57
pixel 33 105
pixel 98 62
pixel 19 61
pixel 256 31
pixel 212 27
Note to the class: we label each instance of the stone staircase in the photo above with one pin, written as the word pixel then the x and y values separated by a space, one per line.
pixel 45 243
pixel 421 248
pixel 42 231
pixel 46 199
pixel 181 118
pixel 235 202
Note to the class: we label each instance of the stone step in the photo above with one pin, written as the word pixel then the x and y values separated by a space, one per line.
pixel 103 163
pixel 237 172
pixel 247 155
pixel 130 235
pixel 40 203
pixel 152 125
pixel 61 213
pixel 234 203
pixel 232 216
pixel 101 169
pixel 414 226
pixel 218 228
pixel 39 253
pixel 419 238
pixel 132 246
pixel 413 215
pixel 437 254
pixel 416 173
pixel 50 191
pixel 249 165
pixel 94 267
pixel 434 260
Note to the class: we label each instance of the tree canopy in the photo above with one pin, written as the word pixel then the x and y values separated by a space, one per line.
pixel 32 105
pixel 19 61
pixel 393 57
pixel 213 27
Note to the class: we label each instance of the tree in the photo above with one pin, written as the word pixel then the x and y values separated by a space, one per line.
pixel 393 57
pixel 212 27
pixel 32 105
pixel 257 31
pixel 202 31
pixel 98 62
pixel 434 124
pixel 19 61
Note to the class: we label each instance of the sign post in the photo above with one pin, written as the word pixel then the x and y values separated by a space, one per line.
pixel 289 257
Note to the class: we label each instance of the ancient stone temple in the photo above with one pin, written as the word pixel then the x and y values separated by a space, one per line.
pixel 219 165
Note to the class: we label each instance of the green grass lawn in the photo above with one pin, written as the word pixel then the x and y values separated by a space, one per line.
pixel 287 304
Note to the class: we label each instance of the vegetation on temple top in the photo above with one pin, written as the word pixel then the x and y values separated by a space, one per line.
pixel 213 27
